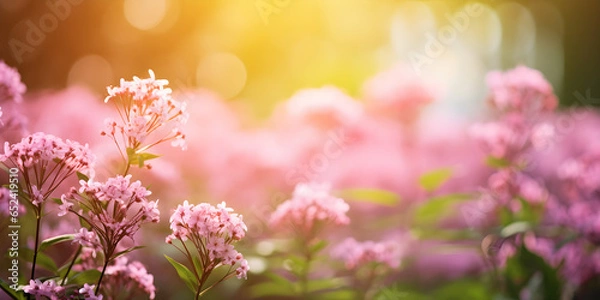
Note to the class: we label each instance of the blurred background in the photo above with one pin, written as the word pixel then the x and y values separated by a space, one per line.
pixel 255 53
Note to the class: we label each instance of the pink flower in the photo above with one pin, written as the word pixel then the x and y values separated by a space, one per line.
pixel 498 139
pixel 242 269
pixel 11 87
pixel 542 135
pixel 41 148
pixel 327 107
pixel 532 190
pixel 87 291
pixel 46 161
pixel 12 122
pixel 507 185
pixel 64 207
pixel 521 89
pixel 356 254
pixel 310 204
pixel 398 93
pixel 86 238
pixel 149 114
pixel 36 196
pixel 213 231
pixel 114 209
pixel 48 289
pixel 215 228
pixel 129 276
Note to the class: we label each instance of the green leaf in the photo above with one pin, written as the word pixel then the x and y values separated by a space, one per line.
pixel 16 295
pixel 445 234
pixel 431 181
pixel 497 163
pixel 523 266
pixel 265 289
pixel 438 208
pixel 528 212
pixel 184 273
pixel 375 196
pixel 126 251
pixel 318 246
pixel 55 240
pixel 296 264
pixel 515 228
pixel 316 285
pixel 90 276
pixel 506 216
pixel 278 279
pixel 397 293
pixel 463 289
pixel 340 294
pixel 139 159
pixel 42 260
pixel 197 264
pixel 551 284
pixel 82 176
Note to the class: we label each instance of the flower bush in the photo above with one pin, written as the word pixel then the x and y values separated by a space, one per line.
pixel 330 198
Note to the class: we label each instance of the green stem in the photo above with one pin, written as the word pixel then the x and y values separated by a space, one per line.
pixel 198 293
pixel 101 275
pixel 127 168
pixel 306 270
pixel 368 282
pixel 37 240
pixel 71 265
pixel 227 276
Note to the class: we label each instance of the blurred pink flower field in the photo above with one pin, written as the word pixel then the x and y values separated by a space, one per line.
pixel 334 197
pixel 271 149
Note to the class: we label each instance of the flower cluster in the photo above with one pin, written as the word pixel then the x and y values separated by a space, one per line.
pixel 311 204
pixel 522 96
pixel 128 276
pixel 46 161
pixel 114 209
pixel 41 149
pixel 48 289
pixel 398 93
pixel 12 121
pixel 86 238
pixel 212 230
pixel 506 184
pixel 51 290
pixel 327 108
pixel 145 107
pixel 578 205
pixel 11 87
pixel 521 90
pixel 356 254
pixel 512 137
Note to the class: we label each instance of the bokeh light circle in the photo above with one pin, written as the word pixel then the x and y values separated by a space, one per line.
pixel 144 14
pixel 223 73
pixel 92 71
